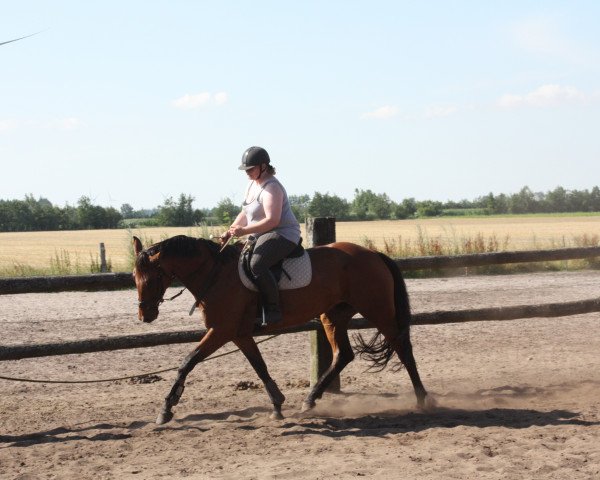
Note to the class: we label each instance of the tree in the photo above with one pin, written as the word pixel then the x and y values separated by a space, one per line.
pixel 90 216
pixel 325 205
pixel 522 202
pixel 180 213
pixel 299 205
pixel 39 214
pixel 501 204
pixel 556 200
pixel 595 200
pixel 369 205
pixel 405 209
pixel 429 208
pixel 127 211
pixel 578 201
pixel 226 211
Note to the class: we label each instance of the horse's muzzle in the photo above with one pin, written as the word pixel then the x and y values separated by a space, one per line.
pixel 147 314
pixel 148 318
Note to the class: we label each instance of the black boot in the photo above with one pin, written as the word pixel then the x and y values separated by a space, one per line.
pixel 270 296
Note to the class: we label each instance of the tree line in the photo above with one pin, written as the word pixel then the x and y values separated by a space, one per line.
pixel 368 205
pixel 40 214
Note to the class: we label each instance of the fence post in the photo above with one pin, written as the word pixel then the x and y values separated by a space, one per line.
pixel 103 268
pixel 320 231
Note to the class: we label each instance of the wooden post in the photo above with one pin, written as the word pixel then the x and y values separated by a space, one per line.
pixel 320 231
pixel 103 268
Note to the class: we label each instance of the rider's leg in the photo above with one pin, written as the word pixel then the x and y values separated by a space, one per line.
pixel 269 249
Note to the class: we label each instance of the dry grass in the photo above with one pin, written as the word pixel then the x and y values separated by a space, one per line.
pixel 512 233
pixel 29 253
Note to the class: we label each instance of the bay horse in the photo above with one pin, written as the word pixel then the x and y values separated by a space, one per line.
pixel 347 279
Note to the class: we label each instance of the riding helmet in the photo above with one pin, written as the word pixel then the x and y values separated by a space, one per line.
pixel 254 156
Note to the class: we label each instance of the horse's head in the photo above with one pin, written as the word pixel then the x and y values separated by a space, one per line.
pixel 150 279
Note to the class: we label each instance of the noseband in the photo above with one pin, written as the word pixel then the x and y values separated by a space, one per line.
pixel 144 304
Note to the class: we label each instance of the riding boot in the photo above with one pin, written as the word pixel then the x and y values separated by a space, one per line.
pixel 269 291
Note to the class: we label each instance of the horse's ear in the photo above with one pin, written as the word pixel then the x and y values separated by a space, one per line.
pixel 137 246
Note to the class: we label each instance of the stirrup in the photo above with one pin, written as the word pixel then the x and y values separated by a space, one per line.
pixel 271 315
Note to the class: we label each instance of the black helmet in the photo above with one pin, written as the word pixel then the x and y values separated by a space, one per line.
pixel 254 156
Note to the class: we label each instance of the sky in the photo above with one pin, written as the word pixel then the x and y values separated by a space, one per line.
pixel 137 101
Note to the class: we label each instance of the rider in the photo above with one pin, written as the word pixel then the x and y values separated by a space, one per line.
pixel 266 215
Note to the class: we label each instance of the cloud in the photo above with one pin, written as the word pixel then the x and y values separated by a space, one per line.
pixel 199 100
pixel 539 34
pixel 69 123
pixel 545 35
pixel 438 111
pixel 221 98
pixel 384 112
pixel 544 96
pixel 7 125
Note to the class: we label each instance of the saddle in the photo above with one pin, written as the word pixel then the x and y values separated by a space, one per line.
pixel 293 271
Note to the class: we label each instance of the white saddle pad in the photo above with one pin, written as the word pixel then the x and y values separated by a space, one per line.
pixel 299 269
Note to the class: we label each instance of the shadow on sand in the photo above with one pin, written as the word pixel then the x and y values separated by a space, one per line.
pixel 392 422
pixel 64 434
pixel 327 423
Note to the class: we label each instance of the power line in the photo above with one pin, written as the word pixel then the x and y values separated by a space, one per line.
pixel 21 38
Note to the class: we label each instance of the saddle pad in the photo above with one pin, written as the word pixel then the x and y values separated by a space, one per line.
pixel 299 269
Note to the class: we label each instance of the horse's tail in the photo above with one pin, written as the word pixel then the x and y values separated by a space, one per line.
pixel 377 350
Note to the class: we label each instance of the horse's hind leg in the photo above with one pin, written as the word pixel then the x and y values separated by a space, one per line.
pixel 335 323
pixel 249 348
pixel 403 347
pixel 397 338
pixel 207 346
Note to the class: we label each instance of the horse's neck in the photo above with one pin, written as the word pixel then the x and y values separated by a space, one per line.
pixel 201 271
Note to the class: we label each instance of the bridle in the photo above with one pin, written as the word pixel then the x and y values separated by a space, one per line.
pixel 161 274
pixel 198 297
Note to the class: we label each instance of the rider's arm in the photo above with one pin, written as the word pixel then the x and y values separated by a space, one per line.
pixel 240 221
pixel 272 201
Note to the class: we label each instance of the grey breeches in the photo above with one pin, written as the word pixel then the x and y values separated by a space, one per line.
pixel 269 249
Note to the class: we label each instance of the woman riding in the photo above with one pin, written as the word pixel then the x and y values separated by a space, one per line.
pixel 266 215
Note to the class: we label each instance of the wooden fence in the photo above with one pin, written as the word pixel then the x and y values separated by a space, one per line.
pixel 319 231
pixel 121 280
pixel 18 352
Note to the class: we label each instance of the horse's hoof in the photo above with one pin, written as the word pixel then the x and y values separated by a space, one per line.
pixel 164 417
pixel 276 416
pixel 427 404
pixel 306 406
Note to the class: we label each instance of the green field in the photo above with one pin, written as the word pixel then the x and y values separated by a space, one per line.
pixel 29 253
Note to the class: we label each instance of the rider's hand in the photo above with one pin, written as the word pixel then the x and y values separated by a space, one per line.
pixel 237 231
pixel 224 238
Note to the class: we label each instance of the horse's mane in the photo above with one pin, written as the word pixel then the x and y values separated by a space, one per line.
pixel 184 246
pixel 179 245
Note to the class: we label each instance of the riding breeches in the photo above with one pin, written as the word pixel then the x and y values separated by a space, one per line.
pixel 269 249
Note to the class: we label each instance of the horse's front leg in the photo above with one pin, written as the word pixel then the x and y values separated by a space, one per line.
pixel 250 350
pixel 208 345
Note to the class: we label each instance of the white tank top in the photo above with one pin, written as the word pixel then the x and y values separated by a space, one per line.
pixel 253 208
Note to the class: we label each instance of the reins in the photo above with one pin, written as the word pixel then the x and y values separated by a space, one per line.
pixel 209 280
pixel 141 375
pixel 206 287
pixel 175 296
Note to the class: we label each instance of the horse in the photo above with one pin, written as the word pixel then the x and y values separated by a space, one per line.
pixel 346 279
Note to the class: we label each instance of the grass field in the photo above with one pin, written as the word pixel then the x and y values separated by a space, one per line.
pixel 29 253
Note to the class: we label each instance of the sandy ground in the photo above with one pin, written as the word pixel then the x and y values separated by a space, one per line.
pixel 516 399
